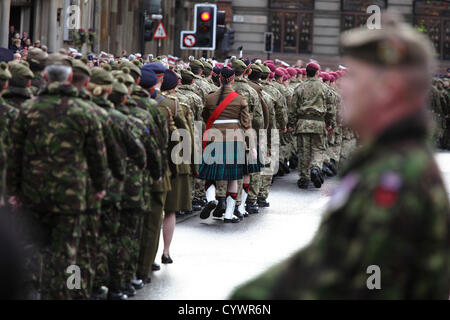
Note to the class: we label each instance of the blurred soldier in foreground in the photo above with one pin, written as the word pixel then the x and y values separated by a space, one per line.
pixel 58 146
pixel 391 209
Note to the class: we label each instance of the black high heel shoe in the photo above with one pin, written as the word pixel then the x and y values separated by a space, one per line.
pixel 166 259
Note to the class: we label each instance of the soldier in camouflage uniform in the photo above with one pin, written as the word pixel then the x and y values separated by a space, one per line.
pixel 37 58
pixel 391 209
pixel 204 87
pixel 187 96
pixel 207 74
pixel 19 86
pixel 255 109
pixel 278 121
pixel 51 169
pixel 138 204
pixel 286 140
pixel 311 117
pixel 256 179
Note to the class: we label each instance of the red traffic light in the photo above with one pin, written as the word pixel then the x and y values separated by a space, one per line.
pixel 205 16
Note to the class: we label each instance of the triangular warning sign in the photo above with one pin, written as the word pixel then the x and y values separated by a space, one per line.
pixel 160 32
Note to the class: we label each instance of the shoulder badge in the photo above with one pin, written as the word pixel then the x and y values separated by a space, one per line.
pixel 386 193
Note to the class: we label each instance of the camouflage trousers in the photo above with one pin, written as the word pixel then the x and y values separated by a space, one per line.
pixel 255 186
pixel 221 188
pixel 129 234
pixel 347 148
pixel 335 144
pixel 266 182
pixel 59 251
pixel 198 189
pixel 311 153
pixel 111 254
pixel 88 251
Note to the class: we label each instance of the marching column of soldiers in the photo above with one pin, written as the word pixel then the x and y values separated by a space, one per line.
pixel 88 174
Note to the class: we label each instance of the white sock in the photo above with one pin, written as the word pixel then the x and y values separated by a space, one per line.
pixel 229 212
pixel 241 207
pixel 211 193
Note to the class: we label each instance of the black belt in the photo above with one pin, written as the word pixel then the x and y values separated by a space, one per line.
pixel 311 117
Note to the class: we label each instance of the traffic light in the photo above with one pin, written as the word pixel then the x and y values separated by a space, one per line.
pixel 206 26
pixel 268 42
pixel 148 30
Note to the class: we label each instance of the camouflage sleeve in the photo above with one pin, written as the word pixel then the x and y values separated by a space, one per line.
pixel 3 164
pixel 330 116
pixel 296 103
pixel 135 148
pixel 96 156
pixel 115 162
pixel 14 172
pixel 154 163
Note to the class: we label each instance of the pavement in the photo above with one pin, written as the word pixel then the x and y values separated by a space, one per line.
pixel 212 258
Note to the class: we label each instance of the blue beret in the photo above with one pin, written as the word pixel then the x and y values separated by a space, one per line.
pixel 148 77
pixel 170 80
pixel 156 67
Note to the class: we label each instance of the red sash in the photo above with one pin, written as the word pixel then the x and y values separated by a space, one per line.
pixel 217 112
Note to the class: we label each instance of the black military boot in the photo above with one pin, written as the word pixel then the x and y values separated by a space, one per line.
pixel 302 184
pixel 197 205
pixel 129 290
pixel 100 293
pixel 117 295
pixel 262 203
pixel 316 178
pixel 188 212
pixel 327 171
pixel 138 284
pixel 333 166
pixel 206 212
pixel 221 207
pixel 252 208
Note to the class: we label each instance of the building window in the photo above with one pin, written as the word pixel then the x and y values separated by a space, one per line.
pixel 292 25
pixel 433 19
pixel 354 12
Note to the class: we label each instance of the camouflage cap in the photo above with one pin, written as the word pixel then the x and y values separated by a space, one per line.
pixel 37 56
pixel 186 72
pixel 265 69
pixel 20 71
pixel 395 44
pixel 238 65
pixel 207 65
pixel 125 74
pixel 119 86
pixel 57 59
pixel 196 64
pixel 78 65
pixel 131 67
pixel 101 76
pixel 4 72
pixel 256 67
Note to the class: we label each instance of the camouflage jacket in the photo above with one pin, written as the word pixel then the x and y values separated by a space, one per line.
pixel 16 96
pixel 255 108
pixel 312 105
pixel 149 138
pixel 158 128
pixel 37 84
pixel 391 211
pixel 129 147
pixel 187 95
pixel 281 114
pixel 58 146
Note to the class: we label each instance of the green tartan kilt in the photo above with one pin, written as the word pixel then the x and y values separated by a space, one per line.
pixel 223 161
